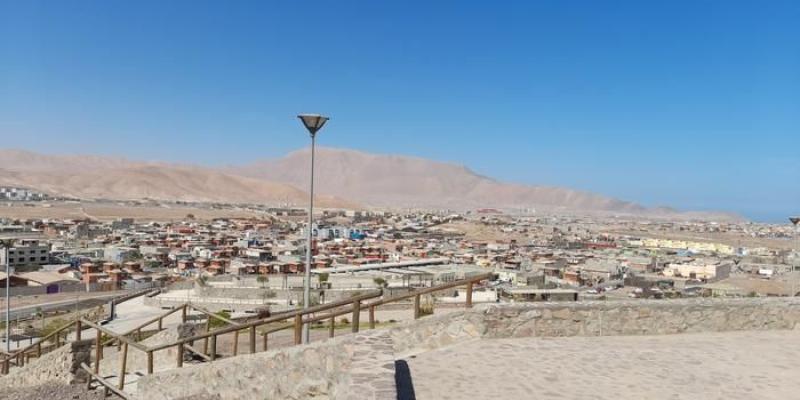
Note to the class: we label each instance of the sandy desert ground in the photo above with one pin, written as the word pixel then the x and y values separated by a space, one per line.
pixel 730 366
pixel 110 211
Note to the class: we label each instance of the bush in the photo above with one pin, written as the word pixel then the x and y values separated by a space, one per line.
pixel 380 282
pixel 215 323
pixel 53 325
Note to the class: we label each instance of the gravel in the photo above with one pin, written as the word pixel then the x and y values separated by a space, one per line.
pixel 52 391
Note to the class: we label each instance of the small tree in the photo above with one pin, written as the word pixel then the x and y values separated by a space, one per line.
pixel 427 305
pixel 216 323
pixel 262 279
pixel 323 277
pixel 52 326
pixel 380 282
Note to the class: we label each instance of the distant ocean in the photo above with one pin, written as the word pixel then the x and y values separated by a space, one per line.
pixel 769 217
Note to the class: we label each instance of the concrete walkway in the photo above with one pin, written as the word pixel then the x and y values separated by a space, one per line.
pixel 730 366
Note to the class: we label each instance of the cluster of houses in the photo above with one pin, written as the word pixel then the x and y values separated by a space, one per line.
pixel 540 258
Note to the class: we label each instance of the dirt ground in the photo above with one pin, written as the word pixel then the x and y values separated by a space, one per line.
pixel 52 391
pixel 109 211
pixel 724 366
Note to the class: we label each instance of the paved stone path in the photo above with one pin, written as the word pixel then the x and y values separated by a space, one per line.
pixel 730 366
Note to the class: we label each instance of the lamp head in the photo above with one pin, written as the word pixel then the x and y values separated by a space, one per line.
pixel 313 122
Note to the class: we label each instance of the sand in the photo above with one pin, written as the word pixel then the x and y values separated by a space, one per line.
pixel 731 366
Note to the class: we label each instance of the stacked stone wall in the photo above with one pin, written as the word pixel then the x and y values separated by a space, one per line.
pixel 60 366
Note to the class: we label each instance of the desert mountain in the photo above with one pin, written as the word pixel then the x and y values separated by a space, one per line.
pixel 345 179
pixel 89 177
pixel 399 181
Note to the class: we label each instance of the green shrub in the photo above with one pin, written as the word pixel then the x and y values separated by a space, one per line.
pixel 216 323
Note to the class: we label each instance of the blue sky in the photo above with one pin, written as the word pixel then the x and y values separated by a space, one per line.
pixel 691 104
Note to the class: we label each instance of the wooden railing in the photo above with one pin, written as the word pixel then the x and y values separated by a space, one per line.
pixel 290 320
pixel 56 338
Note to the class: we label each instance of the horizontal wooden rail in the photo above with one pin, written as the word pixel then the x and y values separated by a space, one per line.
pixel 428 290
pixel 106 384
pixel 279 318
pixel 277 329
pixel 198 352
pixel 215 316
pixel 148 322
pixel 116 336
pixel 36 345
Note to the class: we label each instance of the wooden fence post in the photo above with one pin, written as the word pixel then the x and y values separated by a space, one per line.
pixel 213 349
pixel 149 363
pixel 252 339
pixel 356 315
pixel 78 330
pixel 235 343
pixel 123 366
pixel 180 355
pixel 371 317
pixel 332 327
pixel 208 329
pixel 416 307
pixel 298 329
pixel 469 295
pixel 98 350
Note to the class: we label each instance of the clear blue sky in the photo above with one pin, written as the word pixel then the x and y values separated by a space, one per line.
pixel 691 104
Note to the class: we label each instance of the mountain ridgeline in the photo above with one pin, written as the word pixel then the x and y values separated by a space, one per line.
pixel 344 178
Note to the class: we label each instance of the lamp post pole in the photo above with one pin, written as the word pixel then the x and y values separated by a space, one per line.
pixel 313 123
pixel 307 282
pixel 795 221
pixel 7 243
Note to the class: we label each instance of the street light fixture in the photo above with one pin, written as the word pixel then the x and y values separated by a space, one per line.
pixel 6 244
pixel 312 122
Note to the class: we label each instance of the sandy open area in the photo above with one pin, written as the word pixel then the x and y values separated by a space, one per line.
pixel 110 211
pixel 730 366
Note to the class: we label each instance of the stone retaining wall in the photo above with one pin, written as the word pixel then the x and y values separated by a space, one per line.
pixel 601 318
pixel 351 367
pixel 243 293
pixel 60 366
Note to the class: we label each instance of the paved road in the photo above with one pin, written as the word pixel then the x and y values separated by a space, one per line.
pixel 62 305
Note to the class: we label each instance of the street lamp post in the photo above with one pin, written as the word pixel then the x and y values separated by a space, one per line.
pixel 313 123
pixel 795 221
pixel 6 245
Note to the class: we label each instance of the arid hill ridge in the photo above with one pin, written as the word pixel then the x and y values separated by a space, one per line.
pixel 344 178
